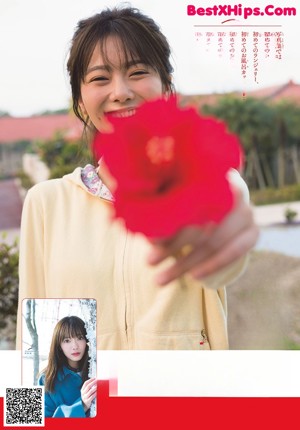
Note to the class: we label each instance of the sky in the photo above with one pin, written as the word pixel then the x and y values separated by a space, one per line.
pixel 35 37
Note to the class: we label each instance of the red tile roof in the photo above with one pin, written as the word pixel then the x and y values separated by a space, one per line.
pixel 289 91
pixel 274 94
pixel 200 100
pixel 38 127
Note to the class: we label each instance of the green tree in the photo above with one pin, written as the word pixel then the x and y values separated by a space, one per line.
pixel 62 156
pixel 287 138
pixel 252 120
pixel 9 284
pixel 4 113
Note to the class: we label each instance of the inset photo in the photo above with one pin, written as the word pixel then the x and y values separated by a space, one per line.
pixel 59 352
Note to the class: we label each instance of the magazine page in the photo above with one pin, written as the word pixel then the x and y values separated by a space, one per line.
pixel 149 212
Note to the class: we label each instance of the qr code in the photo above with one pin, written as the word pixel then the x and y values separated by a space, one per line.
pixel 24 406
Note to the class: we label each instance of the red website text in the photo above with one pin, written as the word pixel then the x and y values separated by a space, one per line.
pixel 239 10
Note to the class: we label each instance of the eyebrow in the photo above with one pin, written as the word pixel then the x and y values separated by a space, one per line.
pixel 107 67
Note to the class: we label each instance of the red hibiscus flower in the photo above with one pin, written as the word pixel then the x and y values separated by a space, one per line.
pixel 170 165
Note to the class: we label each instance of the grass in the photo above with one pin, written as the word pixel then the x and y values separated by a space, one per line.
pixel 289 344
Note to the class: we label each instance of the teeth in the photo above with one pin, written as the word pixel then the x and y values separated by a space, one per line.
pixel 124 114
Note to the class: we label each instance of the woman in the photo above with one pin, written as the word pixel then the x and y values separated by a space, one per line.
pixel 146 298
pixel 68 391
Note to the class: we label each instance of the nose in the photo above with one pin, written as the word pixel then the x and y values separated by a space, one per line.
pixel 74 344
pixel 121 91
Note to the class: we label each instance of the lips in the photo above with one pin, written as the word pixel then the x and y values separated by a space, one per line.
pixel 75 354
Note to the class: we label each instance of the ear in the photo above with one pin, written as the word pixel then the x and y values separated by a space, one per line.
pixel 82 108
pixel 83 112
pixel 168 88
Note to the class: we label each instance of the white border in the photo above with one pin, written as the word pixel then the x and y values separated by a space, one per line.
pixel 187 373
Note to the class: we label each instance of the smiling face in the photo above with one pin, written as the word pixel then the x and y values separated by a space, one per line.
pixel 73 349
pixel 112 85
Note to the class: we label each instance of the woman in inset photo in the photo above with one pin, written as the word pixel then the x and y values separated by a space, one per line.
pixel 68 390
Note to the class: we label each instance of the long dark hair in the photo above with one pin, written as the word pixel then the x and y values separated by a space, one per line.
pixel 138 37
pixel 71 326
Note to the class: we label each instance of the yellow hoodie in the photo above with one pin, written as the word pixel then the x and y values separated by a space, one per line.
pixel 70 248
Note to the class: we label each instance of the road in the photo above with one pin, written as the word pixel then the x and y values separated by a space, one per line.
pixel 10 207
pixel 273 214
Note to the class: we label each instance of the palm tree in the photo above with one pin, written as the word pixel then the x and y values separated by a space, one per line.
pixel 287 131
pixel 252 120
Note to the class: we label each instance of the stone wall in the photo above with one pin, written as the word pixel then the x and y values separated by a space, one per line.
pixel 36 169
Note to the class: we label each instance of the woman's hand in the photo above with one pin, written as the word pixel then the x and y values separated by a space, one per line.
pixel 202 251
pixel 88 392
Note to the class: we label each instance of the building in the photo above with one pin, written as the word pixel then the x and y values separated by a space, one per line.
pixel 17 133
pixel 274 94
pixel 287 92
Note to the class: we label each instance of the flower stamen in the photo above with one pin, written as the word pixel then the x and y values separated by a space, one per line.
pixel 160 149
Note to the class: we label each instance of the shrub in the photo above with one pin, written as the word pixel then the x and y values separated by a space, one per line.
pixel 290 214
pixel 266 196
pixel 61 170
pixel 62 157
pixel 26 182
pixel 9 283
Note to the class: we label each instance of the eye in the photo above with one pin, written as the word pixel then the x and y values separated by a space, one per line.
pixel 67 340
pixel 139 73
pixel 99 79
pixel 80 337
